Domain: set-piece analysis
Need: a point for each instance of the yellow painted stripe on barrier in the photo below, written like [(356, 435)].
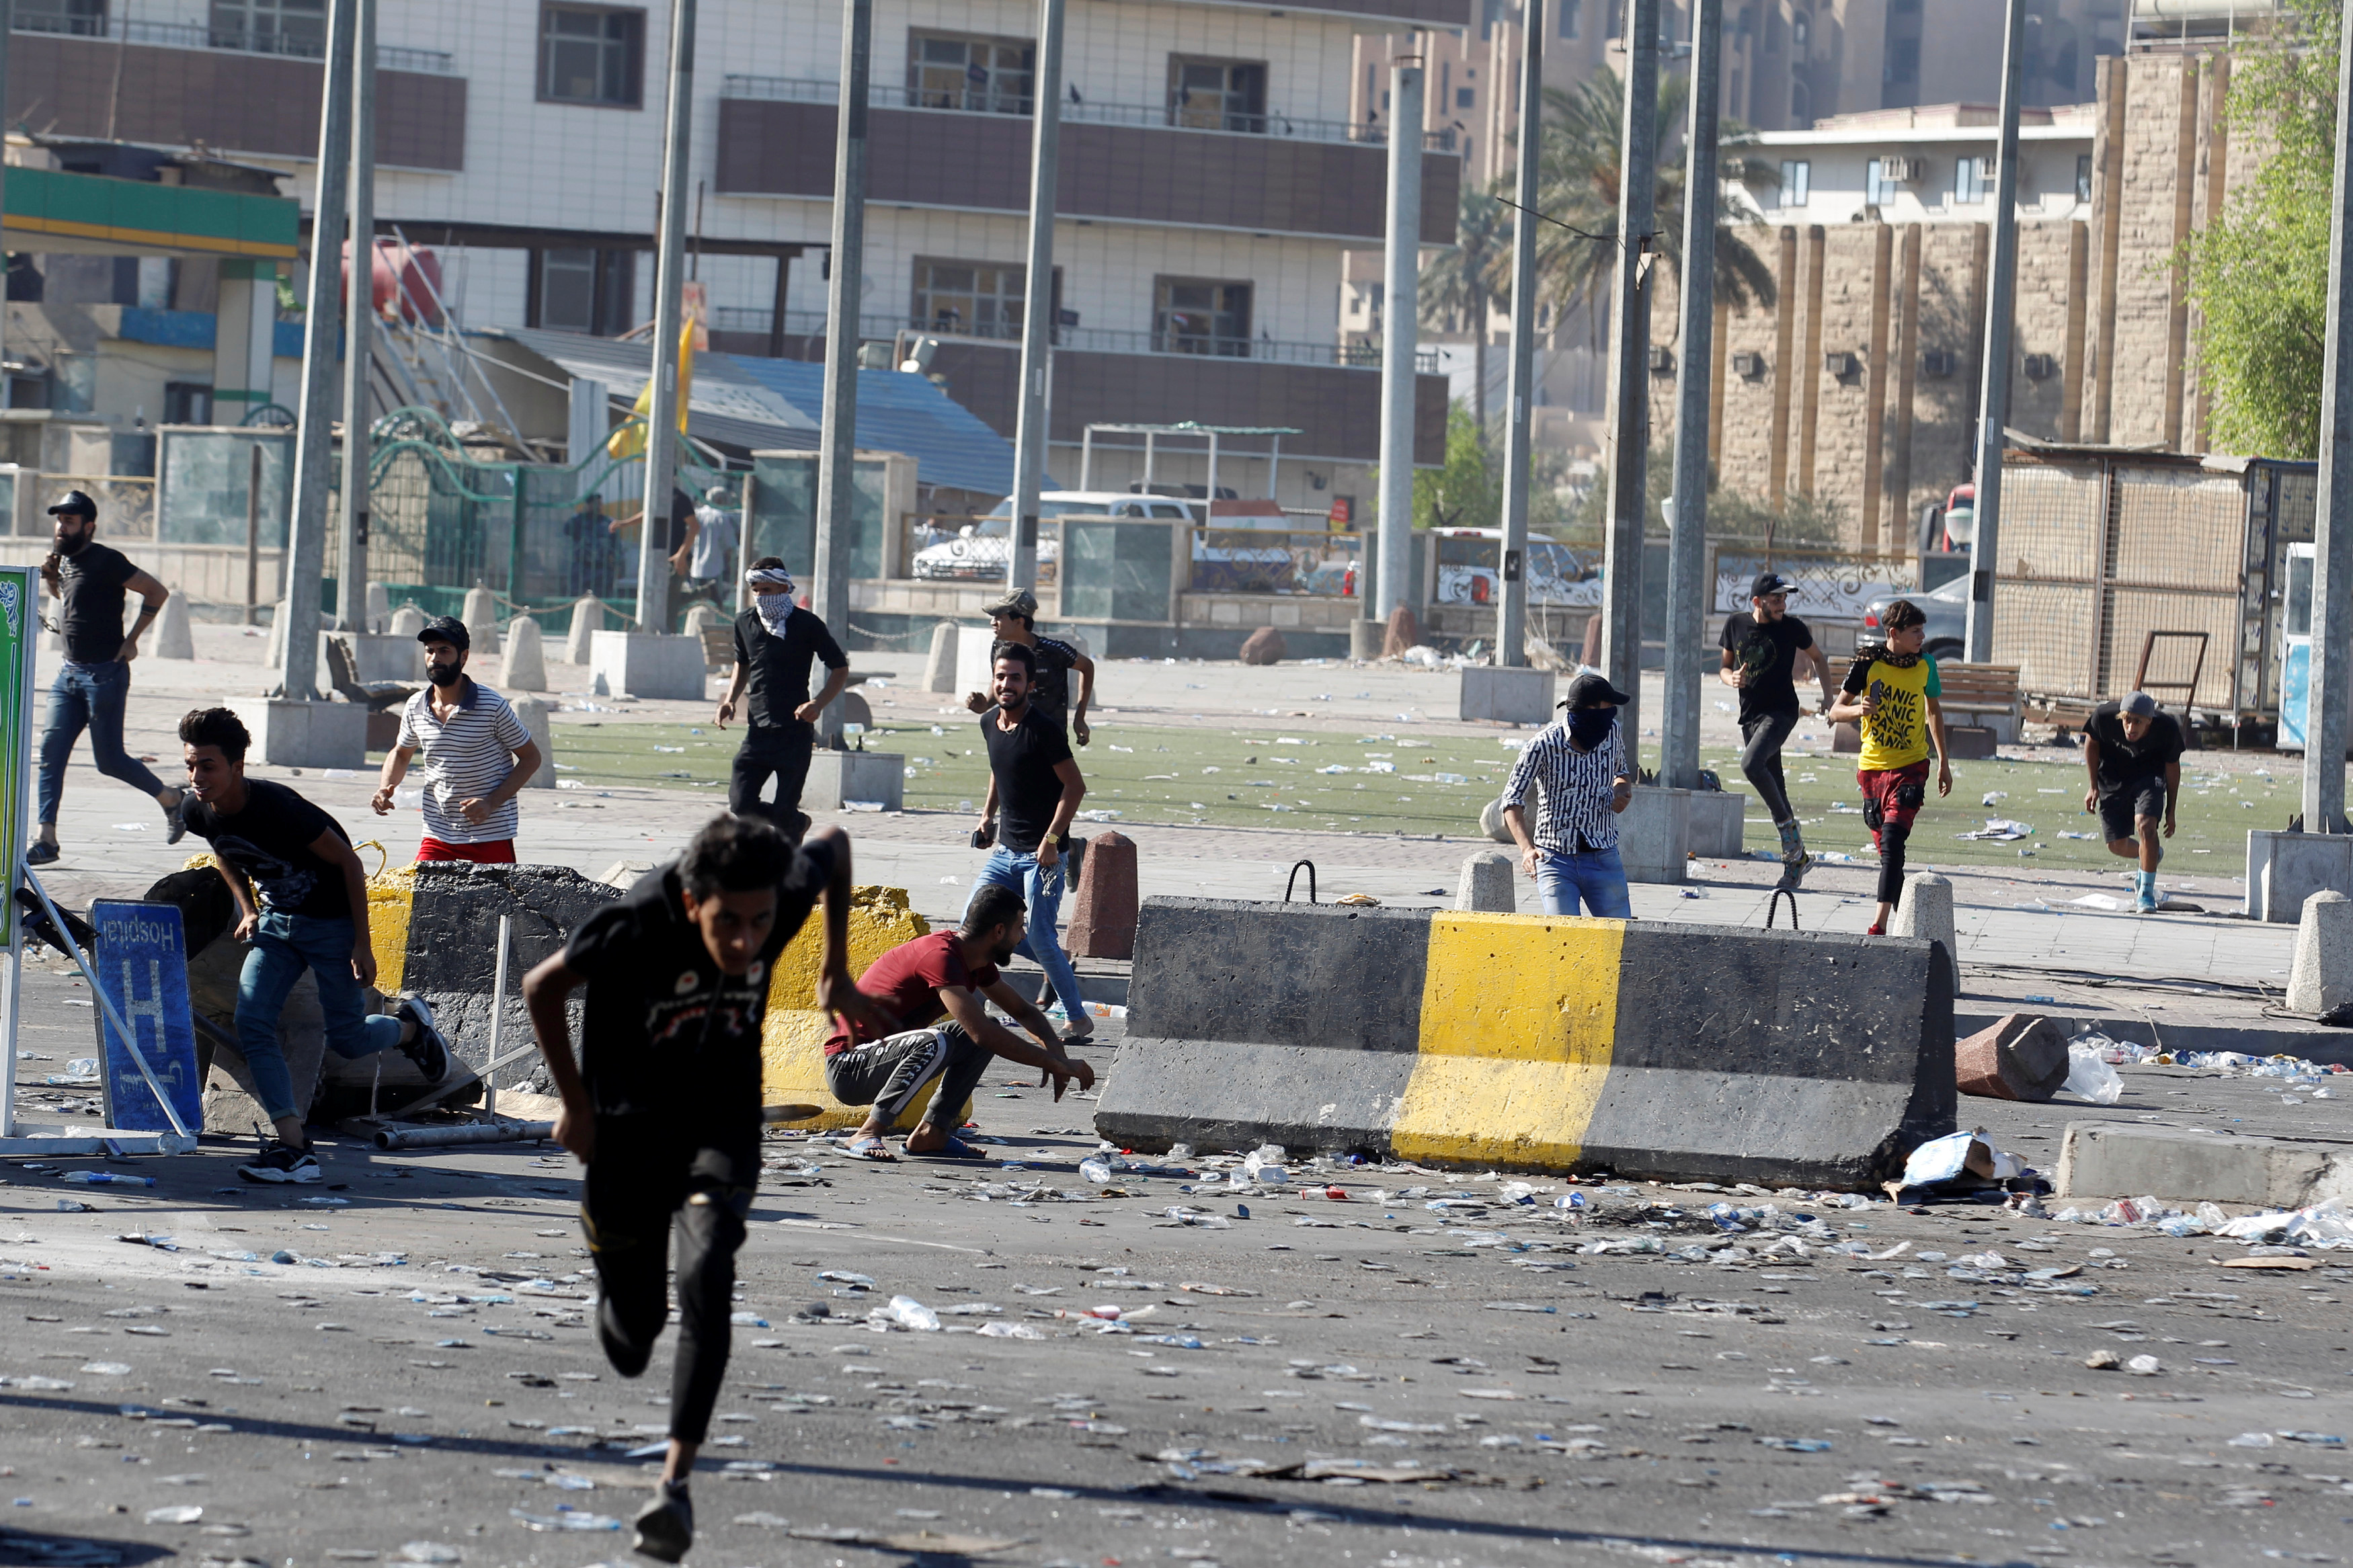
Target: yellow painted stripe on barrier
[(389, 896), (1518, 1013)]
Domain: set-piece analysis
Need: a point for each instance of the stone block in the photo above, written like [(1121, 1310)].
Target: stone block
[(407, 621), (1491, 823), (524, 668), (940, 670), (1102, 913), (1485, 884), (1926, 911), (837, 778), (1655, 835), (172, 638), (645, 664), (587, 620), (1365, 639), (1263, 647), (308, 735), (533, 715), (2283, 869), (1225, 613), (2023, 1057), (1282, 613), (1403, 633), (2320, 979), (1507, 693), (2100, 1159), (1719, 823)]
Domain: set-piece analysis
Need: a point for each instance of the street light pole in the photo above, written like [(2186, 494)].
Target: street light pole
[(1630, 355), (1993, 396), (838, 437), (1512, 608), (359, 331), (1400, 329), (670, 307), (1687, 531), (2332, 555), (305, 558), (1038, 325)]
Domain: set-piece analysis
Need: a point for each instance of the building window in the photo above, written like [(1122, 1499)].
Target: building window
[(2083, 177), (1572, 18), (582, 291), (187, 402), (1466, 97), (970, 298), (982, 76), (1216, 95), (1801, 31), (1876, 188), (1796, 181), (81, 19), (592, 54), (1200, 316), (1969, 179), (268, 26)]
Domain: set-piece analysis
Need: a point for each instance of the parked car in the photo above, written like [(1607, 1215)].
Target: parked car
[(1947, 609), (978, 551), (1469, 574)]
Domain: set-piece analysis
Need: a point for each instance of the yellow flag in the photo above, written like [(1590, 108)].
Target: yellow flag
[(630, 440)]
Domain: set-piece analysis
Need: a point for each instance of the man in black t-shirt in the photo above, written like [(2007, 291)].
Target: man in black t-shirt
[(1014, 619), (89, 581), (774, 641), (2133, 755), (1760, 659), (664, 1106), (301, 902), (1034, 789)]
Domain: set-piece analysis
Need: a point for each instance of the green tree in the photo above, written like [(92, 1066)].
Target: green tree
[(1460, 286), (1468, 492), (2259, 274)]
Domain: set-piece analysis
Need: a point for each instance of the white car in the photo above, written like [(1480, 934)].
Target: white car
[(978, 551), (1556, 576)]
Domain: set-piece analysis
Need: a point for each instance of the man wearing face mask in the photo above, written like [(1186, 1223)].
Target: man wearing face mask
[(1587, 778), (88, 580), (775, 640), (476, 756)]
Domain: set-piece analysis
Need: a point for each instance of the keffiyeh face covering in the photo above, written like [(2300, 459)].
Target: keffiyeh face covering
[(771, 596)]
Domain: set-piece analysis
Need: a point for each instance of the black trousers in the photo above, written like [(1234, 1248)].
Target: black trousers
[(648, 1183), (783, 754)]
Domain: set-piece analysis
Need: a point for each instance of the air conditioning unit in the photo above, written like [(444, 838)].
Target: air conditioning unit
[(1840, 363), (2042, 367), (1939, 364), (1748, 366), (1902, 171), (1663, 362)]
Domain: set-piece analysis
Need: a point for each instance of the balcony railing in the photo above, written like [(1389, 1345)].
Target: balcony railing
[(190, 35), (1359, 356), (1170, 116)]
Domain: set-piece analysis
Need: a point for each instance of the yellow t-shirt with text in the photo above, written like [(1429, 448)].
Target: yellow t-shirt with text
[(1895, 734)]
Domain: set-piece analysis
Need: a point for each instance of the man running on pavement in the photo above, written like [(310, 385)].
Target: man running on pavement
[(1891, 690), (774, 641), (1034, 790), (2133, 753), (1014, 619), (1762, 645), (88, 580), (946, 975), (664, 1105), (301, 902), (476, 756)]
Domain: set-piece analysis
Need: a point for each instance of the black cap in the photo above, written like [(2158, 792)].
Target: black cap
[(448, 629), (1768, 583), (76, 504), (1592, 687)]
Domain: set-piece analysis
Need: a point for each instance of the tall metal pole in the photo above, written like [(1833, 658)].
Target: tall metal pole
[(359, 327), (1038, 324), (1400, 333), (837, 440), (1993, 396), (306, 540), (7, 21), (2332, 564), (670, 306), (1629, 357), (1511, 611), (1687, 532)]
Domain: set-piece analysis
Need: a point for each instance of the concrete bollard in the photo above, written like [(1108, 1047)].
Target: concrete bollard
[(1102, 916), (1365, 640), (172, 638), (407, 621), (1486, 884), (698, 616), (525, 668), (279, 617), (379, 606), (481, 618), (2320, 977), (1927, 912), (1491, 823), (940, 670), (533, 713), (587, 620)]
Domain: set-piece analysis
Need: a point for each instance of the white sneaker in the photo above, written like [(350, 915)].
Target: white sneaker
[(279, 1163)]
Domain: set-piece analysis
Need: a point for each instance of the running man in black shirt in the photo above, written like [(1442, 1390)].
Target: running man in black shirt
[(89, 581), (664, 1105), (1760, 662), (301, 902), (1034, 789), (774, 641), (2133, 753), (1014, 619)]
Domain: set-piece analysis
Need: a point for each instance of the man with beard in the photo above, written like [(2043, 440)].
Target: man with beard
[(887, 1063), (1761, 649), (477, 756), (775, 640), (88, 580)]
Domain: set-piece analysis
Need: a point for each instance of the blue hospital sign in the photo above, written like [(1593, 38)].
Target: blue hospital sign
[(144, 970)]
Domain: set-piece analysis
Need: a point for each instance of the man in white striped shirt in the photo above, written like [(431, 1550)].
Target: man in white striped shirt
[(476, 755), (1582, 764)]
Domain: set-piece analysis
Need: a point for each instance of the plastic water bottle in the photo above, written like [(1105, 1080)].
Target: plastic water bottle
[(108, 1178), (1095, 1169), (910, 1313)]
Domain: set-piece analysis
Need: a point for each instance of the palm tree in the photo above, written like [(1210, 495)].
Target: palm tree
[(1577, 184), (1460, 286)]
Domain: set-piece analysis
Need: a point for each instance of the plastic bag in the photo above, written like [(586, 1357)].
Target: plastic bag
[(2089, 1076)]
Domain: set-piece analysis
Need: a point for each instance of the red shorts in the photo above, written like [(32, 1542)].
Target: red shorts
[(1893, 796), (491, 852)]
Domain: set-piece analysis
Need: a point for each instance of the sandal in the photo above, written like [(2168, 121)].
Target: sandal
[(869, 1147), (954, 1149)]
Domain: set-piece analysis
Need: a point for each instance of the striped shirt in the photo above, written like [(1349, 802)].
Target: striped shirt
[(1578, 786), (464, 758)]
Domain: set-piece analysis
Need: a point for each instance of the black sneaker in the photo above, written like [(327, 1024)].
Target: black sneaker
[(666, 1525), (281, 1164), (41, 854), (175, 826), (428, 1050)]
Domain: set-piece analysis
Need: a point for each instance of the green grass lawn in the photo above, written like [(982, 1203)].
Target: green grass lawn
[(1392, 782)]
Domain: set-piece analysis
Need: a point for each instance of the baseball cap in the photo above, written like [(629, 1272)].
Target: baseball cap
[(448, 629), (76, 504), (2139, 705), (1019, 602), (1592, 687), (1770, 582)]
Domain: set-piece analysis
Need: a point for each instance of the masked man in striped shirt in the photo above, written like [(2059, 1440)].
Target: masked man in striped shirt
[(475, 756), (1582, 763)]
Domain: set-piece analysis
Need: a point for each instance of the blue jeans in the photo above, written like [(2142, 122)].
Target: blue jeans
[(1598, 874), (1042, 891), (283, 946), (88, 696)]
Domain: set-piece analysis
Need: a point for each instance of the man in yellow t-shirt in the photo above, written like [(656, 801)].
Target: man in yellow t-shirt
[(1891, 690)]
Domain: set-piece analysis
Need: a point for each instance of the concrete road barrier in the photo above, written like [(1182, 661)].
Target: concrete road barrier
[(1534, 1043), (2184, 1164)]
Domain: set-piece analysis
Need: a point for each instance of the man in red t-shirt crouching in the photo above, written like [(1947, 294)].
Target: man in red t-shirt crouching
[(913, 986)]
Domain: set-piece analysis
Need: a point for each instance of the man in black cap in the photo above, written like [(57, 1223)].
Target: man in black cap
[(477, 756), (88, 580), (1762, 645), (2133, 753), (1581, 761), (1014, 619), (775, 640)]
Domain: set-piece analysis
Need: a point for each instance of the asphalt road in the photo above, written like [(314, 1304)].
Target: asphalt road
[(1367, 1381)]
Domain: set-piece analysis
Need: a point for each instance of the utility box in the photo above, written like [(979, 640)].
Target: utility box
[(1506, 695)]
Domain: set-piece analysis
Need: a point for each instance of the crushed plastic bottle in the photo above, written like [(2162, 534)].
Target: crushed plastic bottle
[(910, 1313), (1180, 1151), (108, 1178), (1095, 1169)]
